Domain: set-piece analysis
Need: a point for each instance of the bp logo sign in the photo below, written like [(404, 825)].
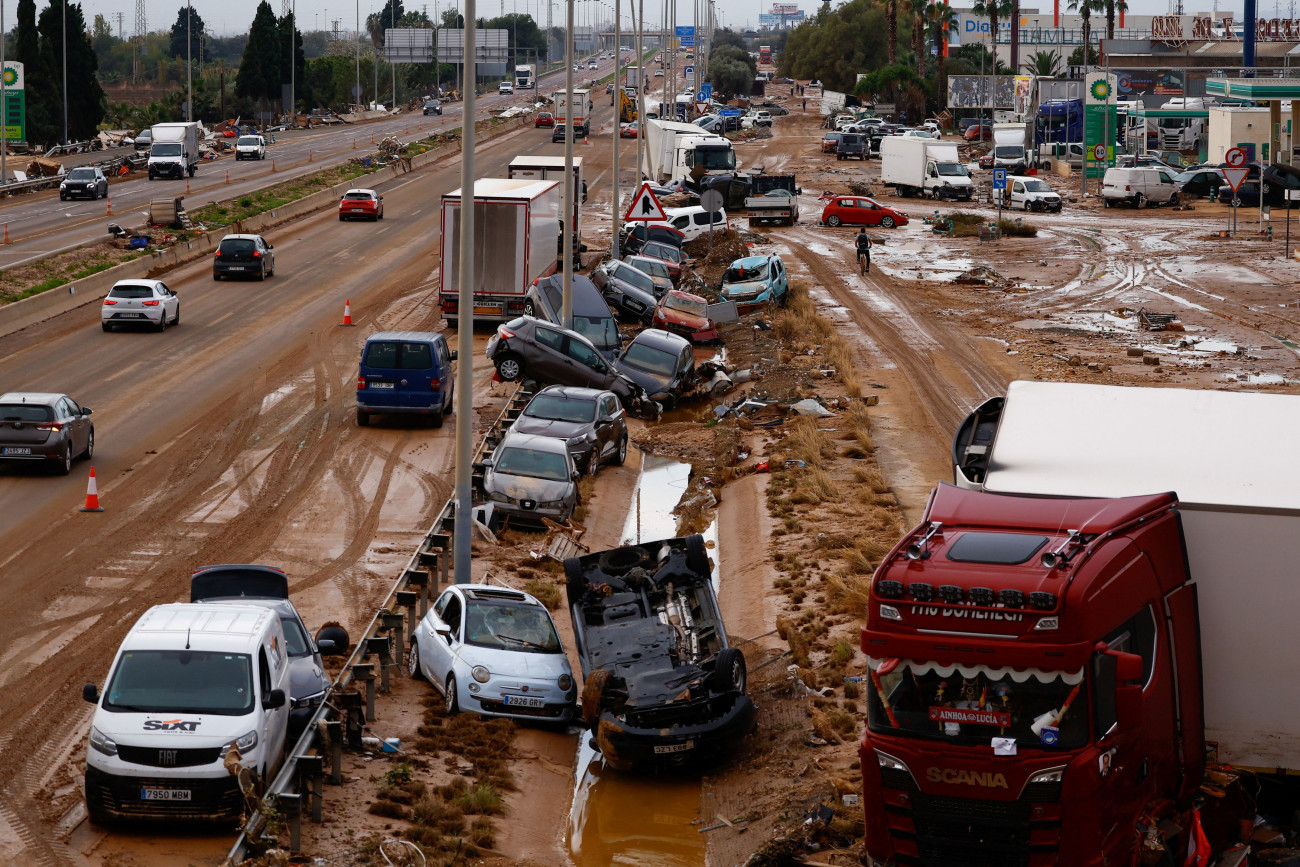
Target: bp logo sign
[(1100, 90), (11, 76)]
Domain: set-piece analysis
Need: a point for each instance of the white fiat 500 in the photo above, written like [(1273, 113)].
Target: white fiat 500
[(494, 651)]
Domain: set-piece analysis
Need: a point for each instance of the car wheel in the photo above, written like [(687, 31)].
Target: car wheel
[(593, 462), (451, 702), (1139, 201), (215, 276), (438, 416), (621, 455), (62, 198), (105, 326), (529, 309), (177, 320), (450, 406), (697, 556), (90, 446), (363, 418), (162, 320), (510, 367), (593, 697), (729, 672), (261, 274), (65, 460), (1174, 199), (887, 222), (413, 663), (833, 221)]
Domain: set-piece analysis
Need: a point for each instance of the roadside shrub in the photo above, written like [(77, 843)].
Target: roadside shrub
[(545, 592), (482, 833), (1017, 229), (481, 799)]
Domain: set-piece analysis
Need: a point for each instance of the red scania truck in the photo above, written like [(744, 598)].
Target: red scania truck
[(1107, 596)]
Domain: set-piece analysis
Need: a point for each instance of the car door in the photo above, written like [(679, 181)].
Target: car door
[(438, 650), (869, 213), (170, 302), (585, 366), (67, 415), (417, 370), (266, 253), (780, 280), (608, 413)]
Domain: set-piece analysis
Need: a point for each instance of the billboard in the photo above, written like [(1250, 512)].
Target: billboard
[(1132, 83), (408, 45), (981, 91), (782, 19), (15, 107), (491, 46)]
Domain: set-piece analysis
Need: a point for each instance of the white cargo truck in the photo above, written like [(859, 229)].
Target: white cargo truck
[(175, 150), (677, 151), (924, 167), (1013, 146), (539, 168), (580, 117), (525, 77)]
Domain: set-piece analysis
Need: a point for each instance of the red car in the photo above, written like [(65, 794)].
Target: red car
[(672, 256), (986, 161), (361, 205), (830, 142), (861, 211), (628, 130), (978, 131), (544, 118), (685, 314)]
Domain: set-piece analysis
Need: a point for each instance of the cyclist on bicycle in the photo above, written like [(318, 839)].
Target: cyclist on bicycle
[(864, 250)]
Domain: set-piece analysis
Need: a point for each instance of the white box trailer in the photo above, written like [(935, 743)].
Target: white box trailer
[(1228, 457), (924, 167), (539, 168), (580, 117), (516, 241)]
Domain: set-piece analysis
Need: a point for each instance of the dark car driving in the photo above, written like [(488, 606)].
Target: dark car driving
[(591, 422), (46, 428), (86, 181), (661, 363)]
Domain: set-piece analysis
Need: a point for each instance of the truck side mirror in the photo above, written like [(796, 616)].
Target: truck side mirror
[(1128, 687), (90, 693)]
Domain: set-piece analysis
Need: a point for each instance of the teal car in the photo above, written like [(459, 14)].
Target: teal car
[(754, 281)]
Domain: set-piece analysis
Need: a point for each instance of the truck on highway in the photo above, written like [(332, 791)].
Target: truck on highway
[(174, 151), (924, 167), (1091, 625), (525, 77), (1013, 145), (539, 168), (580, 117), (677, 151), (516, 241), (633, 77)]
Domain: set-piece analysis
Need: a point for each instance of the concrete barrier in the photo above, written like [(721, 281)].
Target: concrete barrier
[(61, 299)]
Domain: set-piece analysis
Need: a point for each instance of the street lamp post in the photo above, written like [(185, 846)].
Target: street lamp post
[(566, 306), (465, 314), (65, 71), (618, 94), (356, 93), (189, 61)]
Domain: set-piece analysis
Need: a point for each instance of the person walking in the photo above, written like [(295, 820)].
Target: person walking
[(805, 105), (863, 242)]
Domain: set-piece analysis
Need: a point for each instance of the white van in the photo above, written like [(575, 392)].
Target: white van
[(1030, 194), (1139, 187), (694, 221), (189, 682)]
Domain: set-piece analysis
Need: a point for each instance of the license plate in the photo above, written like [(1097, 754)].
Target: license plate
[(235, 268), (130, 315), (487, 309), (164, 794), (17, 451), (379, 385), (521, 701), (660, 749)]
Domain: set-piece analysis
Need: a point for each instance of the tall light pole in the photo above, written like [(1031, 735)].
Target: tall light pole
[(189, 59), (392, 67), (465, 314), (566, 306), (293, 64), (4, 105), (640, 85), (357, 92), (65, 71), (618, 94)]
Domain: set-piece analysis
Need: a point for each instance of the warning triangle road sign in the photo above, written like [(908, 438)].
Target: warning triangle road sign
[(645, 208), (1235, 177)]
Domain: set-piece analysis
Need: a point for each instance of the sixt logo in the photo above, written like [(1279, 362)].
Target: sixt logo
[(966, 778), (170, 725)]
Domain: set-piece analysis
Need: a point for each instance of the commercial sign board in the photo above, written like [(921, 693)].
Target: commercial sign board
[(15, 108), (1099, 123), (981, 91), (408, 45), (491, 46), (1160, 82)]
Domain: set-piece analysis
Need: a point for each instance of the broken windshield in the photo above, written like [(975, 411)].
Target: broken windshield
[(973, 704), (744, 275)]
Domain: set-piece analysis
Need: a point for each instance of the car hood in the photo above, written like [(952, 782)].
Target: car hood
[(687, 320), (648, 381), (505, 664), (550, 427), (526, 487), (306, 677)]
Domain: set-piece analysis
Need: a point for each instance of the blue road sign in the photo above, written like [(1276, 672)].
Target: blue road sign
[(706, 91), (685, 30), (686, 41), (730, 112), (999, 179)]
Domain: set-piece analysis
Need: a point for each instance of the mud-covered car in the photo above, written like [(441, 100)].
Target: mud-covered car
[(530, 477), (661, 363), (661, 685)]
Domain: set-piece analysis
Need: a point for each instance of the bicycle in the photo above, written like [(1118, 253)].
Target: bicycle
[(864, 262)]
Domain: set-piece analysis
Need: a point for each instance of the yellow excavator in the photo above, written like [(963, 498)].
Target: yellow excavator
[(627, 104)]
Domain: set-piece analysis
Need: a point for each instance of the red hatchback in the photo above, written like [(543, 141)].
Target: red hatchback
[(685, 314), (861, 211), (544, 118), (361, 205)]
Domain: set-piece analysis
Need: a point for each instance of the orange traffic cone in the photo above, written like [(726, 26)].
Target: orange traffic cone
[(187, 186), (347, 313), (110, 210), (6, 238), (227, 175), (92, 495)]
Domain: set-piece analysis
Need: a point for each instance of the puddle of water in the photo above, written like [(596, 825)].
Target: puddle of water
[(658, 490), (624, 820), (1257, 378)]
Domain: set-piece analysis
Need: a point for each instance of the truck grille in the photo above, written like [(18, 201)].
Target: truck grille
[(175, 758), (969, 832)]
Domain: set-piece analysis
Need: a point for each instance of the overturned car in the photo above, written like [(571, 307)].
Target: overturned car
[(662, 687)]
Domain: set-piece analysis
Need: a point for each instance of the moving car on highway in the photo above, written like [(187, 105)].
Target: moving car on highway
[(493, 651), (505, 87), (140, 302), (432, 107), (591, 422), (544, 119), (361, 204), (528, 478), (87, 181), (41, 427), (250, 147), (243, 256), (406, 373)]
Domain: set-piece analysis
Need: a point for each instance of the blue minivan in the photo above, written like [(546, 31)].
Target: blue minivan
[(405, 373)]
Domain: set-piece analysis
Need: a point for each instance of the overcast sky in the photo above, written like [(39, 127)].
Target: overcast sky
[(229, 17)]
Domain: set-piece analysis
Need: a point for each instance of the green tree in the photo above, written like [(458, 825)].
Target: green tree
[(194, 27), (836, 45), (1076, 56), (43, 96), (995, 11), (1113, 6), (919, 9), (898, 84), (1085, 8), (378, 22), (1045, 64), (941, 18), (86, 101), (891, 11), (259, 70), (729, 75)]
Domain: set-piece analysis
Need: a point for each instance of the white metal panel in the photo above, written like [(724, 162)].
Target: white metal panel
[(1213, 448)]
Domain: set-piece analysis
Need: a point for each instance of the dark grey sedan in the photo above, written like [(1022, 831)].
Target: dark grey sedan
[(589, 421), (660, 362), (36, 426), (529, 478), (629, 291)]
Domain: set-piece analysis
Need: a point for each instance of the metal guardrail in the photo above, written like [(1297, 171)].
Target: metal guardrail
[(303, 770)]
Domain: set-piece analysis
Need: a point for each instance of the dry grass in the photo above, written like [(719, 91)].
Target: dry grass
[(545, 592), (796, 639), (799, 327), (849, 592), (482, 833)]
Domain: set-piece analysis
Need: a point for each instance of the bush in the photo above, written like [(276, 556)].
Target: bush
[(1017, 228)]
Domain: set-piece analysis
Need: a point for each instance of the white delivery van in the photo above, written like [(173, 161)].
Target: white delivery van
[(189, 682), (1031, 194), (1139, 187), (693, 222)]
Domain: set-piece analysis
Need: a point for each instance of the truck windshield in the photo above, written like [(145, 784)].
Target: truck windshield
[(166, 150), (950, 169), (1008, 152), (715, 159), (971, 705), (181, 681)]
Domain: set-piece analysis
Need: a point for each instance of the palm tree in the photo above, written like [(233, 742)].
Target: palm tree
[(1111, 7), (1085, 8), (919, 11), (941, 17), (994, 10), (891, 14), (1044, 64)]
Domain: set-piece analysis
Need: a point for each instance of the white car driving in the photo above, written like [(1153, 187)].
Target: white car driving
[(494, 651), (140, 302), (250, 147), (505, 87)]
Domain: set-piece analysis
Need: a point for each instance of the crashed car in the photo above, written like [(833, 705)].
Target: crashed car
[(528, 348), (685, 314), (590, 422), (530, 477), (630, 291), (661, 685), (637, 236), (754, 281), (660, 363)]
